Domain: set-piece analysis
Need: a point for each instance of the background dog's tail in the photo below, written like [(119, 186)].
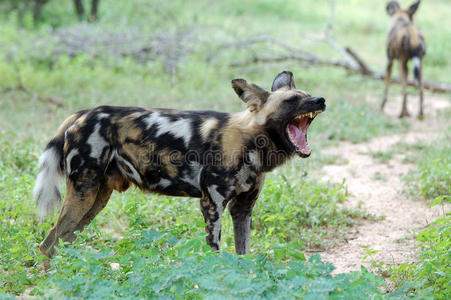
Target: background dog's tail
[(416, 63), (51, 164)]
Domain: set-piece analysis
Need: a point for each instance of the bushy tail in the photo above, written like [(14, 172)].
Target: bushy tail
[(46, 190), (416, 63)]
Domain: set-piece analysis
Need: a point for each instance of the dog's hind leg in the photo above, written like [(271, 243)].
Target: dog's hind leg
[(387, 82), (112, 181), (101, 201), (403, 75), (419, 77), (77, 203), (212, 205)]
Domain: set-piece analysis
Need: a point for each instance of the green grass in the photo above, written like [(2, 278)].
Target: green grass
[(381, 156)]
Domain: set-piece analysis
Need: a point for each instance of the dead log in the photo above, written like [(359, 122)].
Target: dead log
[(20, 88), (433, 86)]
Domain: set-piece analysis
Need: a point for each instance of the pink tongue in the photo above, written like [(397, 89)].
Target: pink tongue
[(298, 139)]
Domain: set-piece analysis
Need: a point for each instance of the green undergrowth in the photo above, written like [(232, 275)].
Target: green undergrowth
[(432, 273), (432, 177), (153, 264), (435, 246)]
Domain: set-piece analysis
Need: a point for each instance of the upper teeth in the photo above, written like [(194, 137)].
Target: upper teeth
[(309, 114)]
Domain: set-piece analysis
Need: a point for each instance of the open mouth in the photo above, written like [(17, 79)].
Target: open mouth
[(297, 132)]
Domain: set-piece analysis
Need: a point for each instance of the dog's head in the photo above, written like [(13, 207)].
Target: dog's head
[(394, 10), (285, 112)]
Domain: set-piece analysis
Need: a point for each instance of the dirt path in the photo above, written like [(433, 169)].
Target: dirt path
[(377, 188)]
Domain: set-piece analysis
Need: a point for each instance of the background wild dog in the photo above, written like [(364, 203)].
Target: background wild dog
[(404, 42), (218, 157)]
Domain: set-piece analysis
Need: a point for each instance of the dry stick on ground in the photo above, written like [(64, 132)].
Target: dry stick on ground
[(21, 88), (314, 60)]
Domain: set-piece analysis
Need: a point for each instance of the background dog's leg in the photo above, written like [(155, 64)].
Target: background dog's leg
[(420, 87), (403, 75), (75, 206), (387, 82)]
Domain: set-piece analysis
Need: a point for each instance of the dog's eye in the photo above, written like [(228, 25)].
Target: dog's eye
[(292, 100)]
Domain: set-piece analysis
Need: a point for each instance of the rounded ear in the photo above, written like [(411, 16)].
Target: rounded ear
[(392, 7), (251, 94), (413, 8), (283, 79)]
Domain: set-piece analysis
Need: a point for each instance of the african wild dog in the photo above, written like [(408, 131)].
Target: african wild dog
[(218, 157), (404, 42)]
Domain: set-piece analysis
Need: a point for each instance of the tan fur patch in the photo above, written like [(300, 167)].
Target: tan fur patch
[(138, 155), (207, 126), (68, 122), (127, 129), (166, 157)]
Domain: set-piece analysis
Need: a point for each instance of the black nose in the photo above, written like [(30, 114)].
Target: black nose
[(319, 100)]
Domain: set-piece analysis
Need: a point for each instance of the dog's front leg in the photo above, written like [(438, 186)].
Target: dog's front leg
[(241, 211), (212, 205)]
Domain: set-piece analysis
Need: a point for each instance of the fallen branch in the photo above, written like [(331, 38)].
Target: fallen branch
[(20, 87), (314, 60)]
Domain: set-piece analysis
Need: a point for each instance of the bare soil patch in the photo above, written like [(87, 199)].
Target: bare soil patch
[(377, 188)]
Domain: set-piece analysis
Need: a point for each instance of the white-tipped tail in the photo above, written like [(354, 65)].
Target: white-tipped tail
[(46, 190), (416, 63)]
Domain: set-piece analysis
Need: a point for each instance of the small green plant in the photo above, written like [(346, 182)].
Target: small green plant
[(432, 273), (432, 177), (435, 245)]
